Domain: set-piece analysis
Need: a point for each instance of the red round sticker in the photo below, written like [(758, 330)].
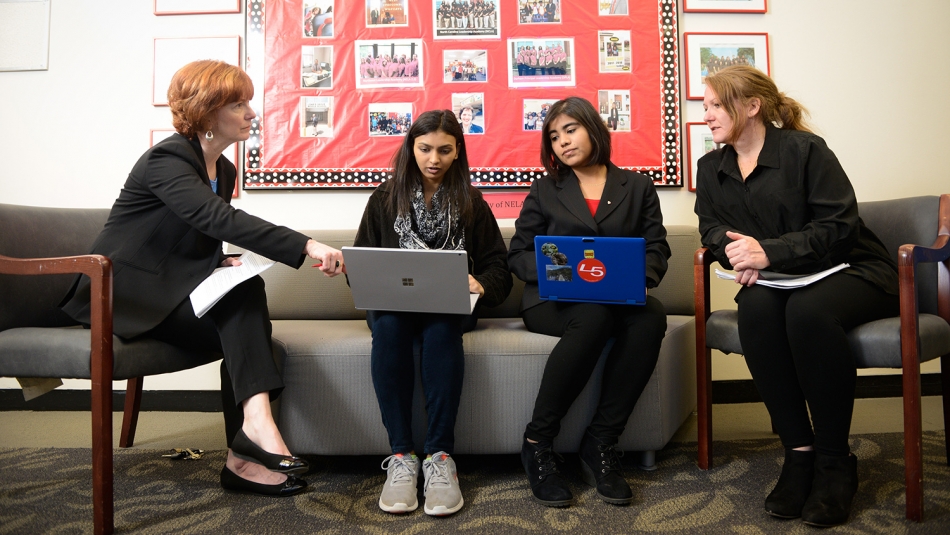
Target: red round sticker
[(591, 269)]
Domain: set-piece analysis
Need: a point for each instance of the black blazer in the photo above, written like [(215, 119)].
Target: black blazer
[(629, 207), (164, 236)]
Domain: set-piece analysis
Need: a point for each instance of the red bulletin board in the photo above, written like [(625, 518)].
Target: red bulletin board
[(338, 149)]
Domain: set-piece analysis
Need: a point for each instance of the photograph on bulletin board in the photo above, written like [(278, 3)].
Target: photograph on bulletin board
[(337, 84)]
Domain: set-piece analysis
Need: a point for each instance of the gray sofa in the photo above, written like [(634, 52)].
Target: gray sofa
[(323, 346), (329, 406)]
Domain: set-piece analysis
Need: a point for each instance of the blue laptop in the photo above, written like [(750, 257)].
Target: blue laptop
[(591, 269)]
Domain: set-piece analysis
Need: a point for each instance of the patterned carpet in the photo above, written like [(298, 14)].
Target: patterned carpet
[(49, 490)]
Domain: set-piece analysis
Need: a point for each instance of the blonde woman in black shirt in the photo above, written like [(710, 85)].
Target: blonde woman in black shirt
[(775, 198)]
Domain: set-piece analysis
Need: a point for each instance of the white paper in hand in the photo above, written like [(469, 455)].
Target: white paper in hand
[(212, 289)]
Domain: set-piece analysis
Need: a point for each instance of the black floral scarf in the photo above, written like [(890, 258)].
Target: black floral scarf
[(430, 228)]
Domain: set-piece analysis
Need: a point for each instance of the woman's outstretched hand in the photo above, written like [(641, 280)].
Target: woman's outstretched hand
[(331, 260)]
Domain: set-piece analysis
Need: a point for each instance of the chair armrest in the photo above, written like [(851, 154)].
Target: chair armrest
[(908, 257), (702, 259), (99, 270)]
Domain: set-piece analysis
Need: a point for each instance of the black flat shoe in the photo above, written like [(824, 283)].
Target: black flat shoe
[(234, 482), (243, 448)]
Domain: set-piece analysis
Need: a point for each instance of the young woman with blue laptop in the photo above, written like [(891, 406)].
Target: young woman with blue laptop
[(585, 194), (429, 203)]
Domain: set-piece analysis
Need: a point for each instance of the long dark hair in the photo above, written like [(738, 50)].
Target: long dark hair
[(584, 113), (456, 184)]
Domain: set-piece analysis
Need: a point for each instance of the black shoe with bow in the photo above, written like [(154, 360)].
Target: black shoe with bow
[(540, 462), (600, 467), (244, 449)]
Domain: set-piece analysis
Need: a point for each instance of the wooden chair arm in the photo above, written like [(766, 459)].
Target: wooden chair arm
[(909, 256), (99, 270), (702, 259), (90, 265)]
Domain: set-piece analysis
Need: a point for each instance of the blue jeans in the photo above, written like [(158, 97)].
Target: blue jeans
[(442, 366)]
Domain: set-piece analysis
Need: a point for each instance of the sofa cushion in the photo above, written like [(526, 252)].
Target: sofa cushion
[(329, 405)]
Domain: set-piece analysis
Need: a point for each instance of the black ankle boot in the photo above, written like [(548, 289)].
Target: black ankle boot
[(547, 485), (834, 486), (600, 466), (794, 485)]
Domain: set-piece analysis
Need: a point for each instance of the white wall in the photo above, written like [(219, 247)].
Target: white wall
[(872, 74)]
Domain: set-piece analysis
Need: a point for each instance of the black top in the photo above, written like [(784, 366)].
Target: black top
[(629, 207), (164, 236), (483, 241), (797, 202)]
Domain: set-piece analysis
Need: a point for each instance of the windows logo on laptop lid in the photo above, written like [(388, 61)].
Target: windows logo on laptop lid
[(591, 269)]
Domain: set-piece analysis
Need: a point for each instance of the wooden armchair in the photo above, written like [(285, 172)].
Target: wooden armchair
[(39, 257), (920, 334)]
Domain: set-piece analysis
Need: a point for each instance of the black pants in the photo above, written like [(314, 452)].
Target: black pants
[(796, 346), (239, 327), (584, 329)]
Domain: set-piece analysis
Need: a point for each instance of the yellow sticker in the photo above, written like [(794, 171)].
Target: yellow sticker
[(588, 253)]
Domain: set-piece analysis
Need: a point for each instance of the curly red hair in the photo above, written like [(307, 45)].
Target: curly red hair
[(200, 89)]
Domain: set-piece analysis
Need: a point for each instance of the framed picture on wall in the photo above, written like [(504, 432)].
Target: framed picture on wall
[(699, 141), (231, 153), (195, 7), (724, 6), (172, 54), (707, 53)]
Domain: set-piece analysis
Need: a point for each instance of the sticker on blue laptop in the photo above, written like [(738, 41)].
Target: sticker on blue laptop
[(590, 269), (557, 270)]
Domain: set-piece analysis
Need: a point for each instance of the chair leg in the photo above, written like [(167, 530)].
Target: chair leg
[(704, 407), (945, 394), (102, 476), (913, 448), (130, 419)]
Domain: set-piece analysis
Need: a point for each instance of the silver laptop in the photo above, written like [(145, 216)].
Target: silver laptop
[(409, 280)]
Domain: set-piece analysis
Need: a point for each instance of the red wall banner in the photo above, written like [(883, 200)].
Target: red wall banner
[(337, 88)]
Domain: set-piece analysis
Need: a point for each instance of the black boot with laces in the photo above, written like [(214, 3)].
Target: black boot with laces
[(547, 485), (600, 466)]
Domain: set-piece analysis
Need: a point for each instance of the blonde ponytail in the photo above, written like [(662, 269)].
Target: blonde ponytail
[(737, 85), (791, 114)]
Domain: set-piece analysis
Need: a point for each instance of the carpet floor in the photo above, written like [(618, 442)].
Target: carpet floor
[(48, 490)]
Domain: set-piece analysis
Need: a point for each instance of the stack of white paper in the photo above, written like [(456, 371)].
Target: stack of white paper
[(212, 289), (781, 280)]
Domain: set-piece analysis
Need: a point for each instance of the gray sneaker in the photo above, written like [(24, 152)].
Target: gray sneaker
[(443, 496), (401, 487)]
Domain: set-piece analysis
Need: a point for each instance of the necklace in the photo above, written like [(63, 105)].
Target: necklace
[(592, 182)]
